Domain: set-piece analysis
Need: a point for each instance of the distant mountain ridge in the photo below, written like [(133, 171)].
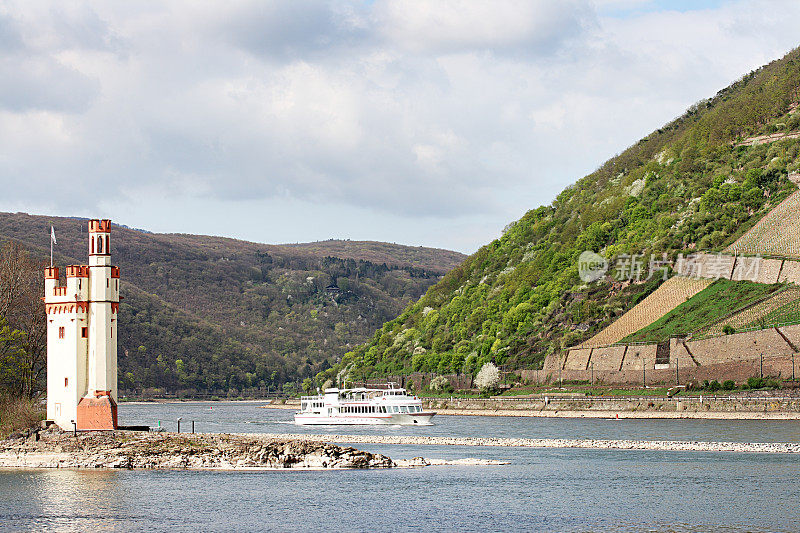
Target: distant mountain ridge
[(204, 314)]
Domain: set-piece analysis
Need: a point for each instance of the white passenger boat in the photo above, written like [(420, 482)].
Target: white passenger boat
[(362, 406)]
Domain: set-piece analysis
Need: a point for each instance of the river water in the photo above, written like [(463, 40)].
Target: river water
[(541, 490)]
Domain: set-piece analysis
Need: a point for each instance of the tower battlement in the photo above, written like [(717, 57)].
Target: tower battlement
[(78, 271), (81, 337), (96, 225)]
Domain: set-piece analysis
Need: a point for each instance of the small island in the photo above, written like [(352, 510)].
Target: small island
[(54, 448)]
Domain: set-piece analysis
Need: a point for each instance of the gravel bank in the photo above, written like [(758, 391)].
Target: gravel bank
[(53, 448), (663, 445)]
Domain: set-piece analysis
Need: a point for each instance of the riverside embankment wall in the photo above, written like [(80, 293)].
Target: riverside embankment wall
[(722, 404)]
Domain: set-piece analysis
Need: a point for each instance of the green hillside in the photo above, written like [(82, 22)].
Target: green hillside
[(207, 314), (688, 186), (703, 309)]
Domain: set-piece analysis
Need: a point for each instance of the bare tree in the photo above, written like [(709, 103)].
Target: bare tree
[(21, 282)]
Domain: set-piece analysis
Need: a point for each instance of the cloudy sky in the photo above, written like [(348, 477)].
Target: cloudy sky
[(419, 122)]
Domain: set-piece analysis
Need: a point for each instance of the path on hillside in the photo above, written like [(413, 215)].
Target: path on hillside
[(765, 139)]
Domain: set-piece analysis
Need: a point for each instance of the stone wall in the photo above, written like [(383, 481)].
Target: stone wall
[(736, 347), (722, 357), (640, 356), (757, 269), (739, 371), (790, 272), (741, 268), (608, 357), (578, 359), (792, 334)]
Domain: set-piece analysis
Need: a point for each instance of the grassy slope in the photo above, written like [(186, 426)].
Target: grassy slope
[(684, 187), (233, 312), (787, 314), (703, 309)]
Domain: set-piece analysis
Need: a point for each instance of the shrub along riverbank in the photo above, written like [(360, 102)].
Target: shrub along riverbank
[(18, 413)]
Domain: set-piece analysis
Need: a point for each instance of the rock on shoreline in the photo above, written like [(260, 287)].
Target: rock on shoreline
[(53, 448)]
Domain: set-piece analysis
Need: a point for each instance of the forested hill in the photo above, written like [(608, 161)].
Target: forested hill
[(212, 314), (696, 183)]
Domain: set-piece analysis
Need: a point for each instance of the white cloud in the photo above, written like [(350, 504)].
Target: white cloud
[(318, 118)]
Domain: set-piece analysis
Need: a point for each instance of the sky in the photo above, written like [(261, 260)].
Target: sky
[(416, 122)]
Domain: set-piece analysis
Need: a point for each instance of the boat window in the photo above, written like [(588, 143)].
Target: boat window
[(403, 409)]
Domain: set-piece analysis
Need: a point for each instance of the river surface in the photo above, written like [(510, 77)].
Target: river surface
[(541, 490)]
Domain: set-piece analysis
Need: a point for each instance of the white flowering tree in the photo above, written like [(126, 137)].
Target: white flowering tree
[(488, 377)]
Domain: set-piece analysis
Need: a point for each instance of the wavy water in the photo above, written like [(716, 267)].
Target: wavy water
[(541, 490)]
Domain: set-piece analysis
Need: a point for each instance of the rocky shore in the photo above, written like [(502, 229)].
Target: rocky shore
[(53, 448), (662, 445)]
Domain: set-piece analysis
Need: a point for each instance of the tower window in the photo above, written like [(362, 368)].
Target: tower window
[(107, 282), (99, 244), (92, 243), (61, 332), (108, 248), (66, 382), (112, 333), (84, 333)]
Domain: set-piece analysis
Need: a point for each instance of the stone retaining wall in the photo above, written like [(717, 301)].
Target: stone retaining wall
[(790, 272), (738, 268), (739, 371), (607, 357)]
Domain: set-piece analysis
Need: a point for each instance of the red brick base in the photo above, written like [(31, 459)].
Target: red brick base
[(98, 413)]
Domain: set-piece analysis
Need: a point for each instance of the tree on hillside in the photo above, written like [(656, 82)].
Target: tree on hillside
[(488, 377), (21, 281), (13, 364)]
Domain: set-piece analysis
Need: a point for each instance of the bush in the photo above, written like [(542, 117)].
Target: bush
[(727, 329), (18, 414), (728, 384), (440, 384), (713, 386), (755, 383)]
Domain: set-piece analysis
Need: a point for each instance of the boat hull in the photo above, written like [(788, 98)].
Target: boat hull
[(403, 419)]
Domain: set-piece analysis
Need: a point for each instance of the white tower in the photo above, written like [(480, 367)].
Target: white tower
[(82, 336)]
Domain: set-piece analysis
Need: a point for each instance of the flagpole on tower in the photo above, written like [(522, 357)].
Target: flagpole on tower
[(52, 242)]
